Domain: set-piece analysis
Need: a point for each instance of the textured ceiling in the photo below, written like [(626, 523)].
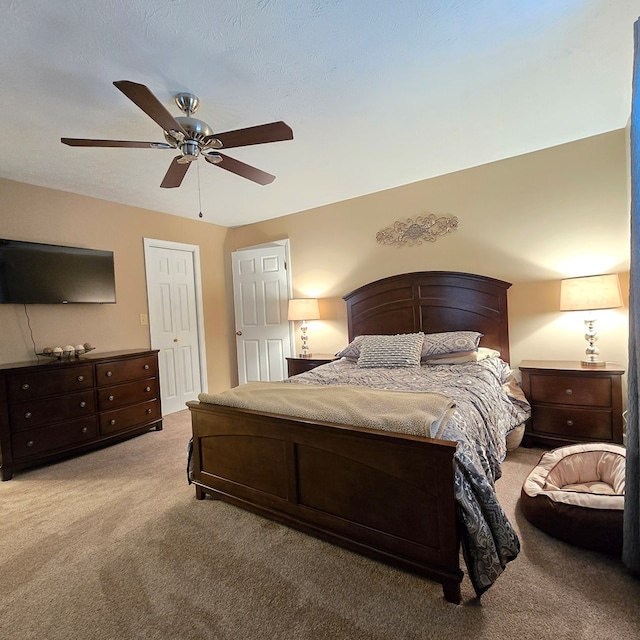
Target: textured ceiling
[(378, 93)]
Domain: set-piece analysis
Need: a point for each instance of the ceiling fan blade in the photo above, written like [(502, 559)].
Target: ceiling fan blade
[(175, 174), (82, 142), (143, 98), (241, 169), (260, 134)]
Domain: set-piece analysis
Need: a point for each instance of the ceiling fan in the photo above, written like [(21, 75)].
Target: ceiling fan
[(192, 137)]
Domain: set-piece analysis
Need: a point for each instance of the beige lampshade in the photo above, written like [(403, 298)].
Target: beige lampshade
[(303, 309), (590, 292)]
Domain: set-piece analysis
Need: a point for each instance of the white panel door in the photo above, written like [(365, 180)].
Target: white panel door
[(261, 294), (173, 323)]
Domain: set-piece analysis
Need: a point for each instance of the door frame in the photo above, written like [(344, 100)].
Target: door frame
[(194, 249)]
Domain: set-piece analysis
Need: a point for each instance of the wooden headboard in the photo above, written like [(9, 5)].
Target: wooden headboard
[(433, 302)]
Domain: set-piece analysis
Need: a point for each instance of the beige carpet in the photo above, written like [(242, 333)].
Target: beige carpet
[(114, 545)]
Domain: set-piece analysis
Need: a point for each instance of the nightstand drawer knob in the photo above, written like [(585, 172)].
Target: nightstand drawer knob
[(27, 415), (80, 378), (110, 398), (148, 410), (83, 404), (568, 391), (146, 366), (112, 422), (25, 386), (84, 429), (569, 423), (30, 443), (109, 374), (147, 389)]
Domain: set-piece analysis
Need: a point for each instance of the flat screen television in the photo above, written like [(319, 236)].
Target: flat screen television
[(35, 273)]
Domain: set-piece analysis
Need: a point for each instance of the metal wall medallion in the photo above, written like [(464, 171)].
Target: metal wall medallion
[(423, 229)]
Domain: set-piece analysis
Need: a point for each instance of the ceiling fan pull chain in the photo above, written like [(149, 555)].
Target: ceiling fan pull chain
[(199, 194)]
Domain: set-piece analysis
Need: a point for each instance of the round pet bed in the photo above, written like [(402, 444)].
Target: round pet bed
[(576, 494)]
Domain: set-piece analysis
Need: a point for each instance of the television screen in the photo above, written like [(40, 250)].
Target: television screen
[(34, 273)]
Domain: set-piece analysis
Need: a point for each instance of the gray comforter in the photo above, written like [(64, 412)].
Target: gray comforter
[(484, 414)]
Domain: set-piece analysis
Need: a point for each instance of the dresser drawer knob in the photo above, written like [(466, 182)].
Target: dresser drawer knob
[(25, 386), (146, 366), (569, 423), (30, 443), (109, 374), (110, 398), (27, 415), (147, 389), (83, 404), (84, 429), (80, 378), (149, 410), (112, 422), (568, 391)]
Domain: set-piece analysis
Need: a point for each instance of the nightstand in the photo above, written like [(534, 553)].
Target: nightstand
[(572, 403), (296, 365)]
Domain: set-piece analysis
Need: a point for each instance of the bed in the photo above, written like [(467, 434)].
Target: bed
[(405, 499)]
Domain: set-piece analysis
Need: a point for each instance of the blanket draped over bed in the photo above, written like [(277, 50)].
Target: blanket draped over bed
[(469, 404), (420, 414)]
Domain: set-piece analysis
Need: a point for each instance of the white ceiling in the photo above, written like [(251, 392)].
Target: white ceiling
[(379, 93)]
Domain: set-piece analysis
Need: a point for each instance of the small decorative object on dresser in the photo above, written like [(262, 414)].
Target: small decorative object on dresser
[(53, 409), (300, 365), (572, 404)]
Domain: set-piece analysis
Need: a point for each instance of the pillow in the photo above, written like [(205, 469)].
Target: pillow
[(352, 350), (462, 356), (435, 344), (402, 350)]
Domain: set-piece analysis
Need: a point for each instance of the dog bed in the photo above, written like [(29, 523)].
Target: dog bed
[(576, 494)]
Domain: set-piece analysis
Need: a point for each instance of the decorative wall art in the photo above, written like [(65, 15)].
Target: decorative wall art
[(425, 228)]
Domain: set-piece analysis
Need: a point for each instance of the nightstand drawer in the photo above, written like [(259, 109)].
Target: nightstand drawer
[(572, 403), (587, 424), (589, 392)]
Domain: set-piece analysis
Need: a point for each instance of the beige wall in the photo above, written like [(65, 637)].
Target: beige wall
[(50, 216), (530, 220)]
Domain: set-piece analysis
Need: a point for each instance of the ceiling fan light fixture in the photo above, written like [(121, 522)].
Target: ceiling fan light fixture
[(190, 148), (213, 143), (212, 157)]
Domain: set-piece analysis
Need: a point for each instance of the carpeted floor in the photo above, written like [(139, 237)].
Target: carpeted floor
[(114, 545)]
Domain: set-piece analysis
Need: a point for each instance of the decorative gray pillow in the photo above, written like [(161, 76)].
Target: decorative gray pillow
[(435, 344), (402, 350), (352, 350)]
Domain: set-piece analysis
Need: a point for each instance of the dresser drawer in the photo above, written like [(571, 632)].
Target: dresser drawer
[(587, 424), (23, 386), (126, 370), (24, 415), (126, 394), (129, 417), (574, 390), (44, 439)]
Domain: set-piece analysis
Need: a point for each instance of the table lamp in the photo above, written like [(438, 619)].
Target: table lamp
[(591, 293), (304, 309)]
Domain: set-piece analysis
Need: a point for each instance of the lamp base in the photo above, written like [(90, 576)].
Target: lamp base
[(304, 355), (593, 363)]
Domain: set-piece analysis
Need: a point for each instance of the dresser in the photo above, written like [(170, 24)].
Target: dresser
[(53, 409), (572, 403)]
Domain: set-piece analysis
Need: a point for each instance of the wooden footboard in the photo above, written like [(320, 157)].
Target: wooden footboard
[(387, 496)]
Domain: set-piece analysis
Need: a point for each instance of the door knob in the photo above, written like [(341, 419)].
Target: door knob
[(238, 333)]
